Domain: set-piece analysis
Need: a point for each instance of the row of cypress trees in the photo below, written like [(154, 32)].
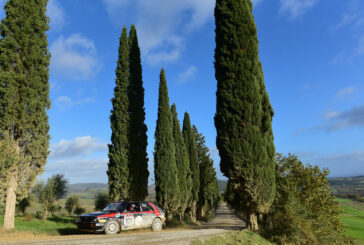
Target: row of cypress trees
[(178, 155), (244, 114), (184, 174), (128, 163)]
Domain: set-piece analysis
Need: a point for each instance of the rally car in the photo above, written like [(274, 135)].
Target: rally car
[(123, 216)]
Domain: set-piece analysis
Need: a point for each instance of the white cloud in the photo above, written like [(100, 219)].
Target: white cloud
[(64, 102), (74, 56), (79, 146), (331, 114), (296, 8), (186, 75), (345, 91), (56, 15), (79, 170), (162, 24), (340, 165)]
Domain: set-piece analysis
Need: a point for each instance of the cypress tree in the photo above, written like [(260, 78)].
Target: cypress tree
[(183, 165), (165, 168), (208, 193), (243, 117), (138, 161), (192, 155), (118, 167), (24, 93)]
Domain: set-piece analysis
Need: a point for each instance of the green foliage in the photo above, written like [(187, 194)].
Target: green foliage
[(190, 143), (24, 88), (24, 204), (128, 163), (183, 164), (54, 208), (209, 195), (118, 167), (79, 211), (165, 168), (71, 203), (102, 200), (243, 113), (138, 161), (48, 193), (304, 211)]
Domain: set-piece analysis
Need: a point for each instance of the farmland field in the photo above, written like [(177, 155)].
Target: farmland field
[(353, 218)]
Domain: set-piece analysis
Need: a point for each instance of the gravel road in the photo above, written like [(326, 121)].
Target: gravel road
[(224, 221)]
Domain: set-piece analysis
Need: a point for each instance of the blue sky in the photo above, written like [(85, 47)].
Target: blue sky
[(312, 53)]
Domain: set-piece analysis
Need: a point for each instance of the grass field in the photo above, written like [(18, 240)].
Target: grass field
[(353, 218), (52, 226)]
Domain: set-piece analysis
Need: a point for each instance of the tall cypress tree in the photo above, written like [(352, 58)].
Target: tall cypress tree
[(165, 168), (24, 93), (243, 117), (192, 154), (209, 193), (183, 165), (118, 167), (138, 161)]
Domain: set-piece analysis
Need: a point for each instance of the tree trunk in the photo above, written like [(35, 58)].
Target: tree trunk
[(45, 212), (181, 217), (252, 221), (193, 211), (10, 204)]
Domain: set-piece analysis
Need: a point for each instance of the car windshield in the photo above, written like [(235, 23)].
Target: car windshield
[(116, 207)]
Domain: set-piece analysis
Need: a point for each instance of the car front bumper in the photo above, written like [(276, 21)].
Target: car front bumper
[(91, 226)]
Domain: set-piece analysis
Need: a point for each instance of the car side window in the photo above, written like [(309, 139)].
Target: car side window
[(146, 207)]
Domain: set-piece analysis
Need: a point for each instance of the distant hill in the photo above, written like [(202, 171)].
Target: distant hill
[(86, 190), (347, 185), (340, 187)]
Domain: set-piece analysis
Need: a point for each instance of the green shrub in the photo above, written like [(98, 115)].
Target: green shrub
[(101, 200), (79, 211), (304, 211)]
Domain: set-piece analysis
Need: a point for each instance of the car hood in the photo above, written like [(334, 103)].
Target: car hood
[(96, 214)]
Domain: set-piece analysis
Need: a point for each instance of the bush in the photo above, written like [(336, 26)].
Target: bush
[(38, 214), (54, 208), (71, 203), (304, 211), (79, 211), (101, 200)]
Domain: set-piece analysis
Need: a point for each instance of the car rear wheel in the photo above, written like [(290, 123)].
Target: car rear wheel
[(157, 224), (111, 227)]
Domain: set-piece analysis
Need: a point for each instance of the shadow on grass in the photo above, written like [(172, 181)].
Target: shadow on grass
[(65, 220), (72, 231)]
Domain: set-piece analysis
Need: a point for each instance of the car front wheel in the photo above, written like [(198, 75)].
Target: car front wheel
[(157, 224), (111, 227)]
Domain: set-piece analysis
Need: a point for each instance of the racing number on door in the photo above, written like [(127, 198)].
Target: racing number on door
[(129, 220)]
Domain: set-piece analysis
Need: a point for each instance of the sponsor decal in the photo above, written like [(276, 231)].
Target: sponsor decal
[(138, 220)]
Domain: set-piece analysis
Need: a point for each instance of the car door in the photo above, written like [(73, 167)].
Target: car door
[(147, 214), (138, 219)]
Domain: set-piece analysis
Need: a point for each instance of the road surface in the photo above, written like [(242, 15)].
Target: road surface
[(224, 221)]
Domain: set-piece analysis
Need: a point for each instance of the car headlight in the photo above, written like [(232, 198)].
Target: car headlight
[(101, 220)]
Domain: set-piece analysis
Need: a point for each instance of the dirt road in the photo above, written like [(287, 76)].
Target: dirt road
[(224, 221)]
